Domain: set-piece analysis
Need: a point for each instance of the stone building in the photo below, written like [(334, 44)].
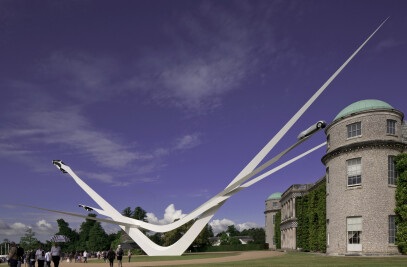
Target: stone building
[(288, 225), (272, 207), (362, 141)]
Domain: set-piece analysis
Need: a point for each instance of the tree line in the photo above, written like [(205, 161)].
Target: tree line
[(92, 237), (229, 237)]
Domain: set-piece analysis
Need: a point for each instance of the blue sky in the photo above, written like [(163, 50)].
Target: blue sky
[(160, 104)]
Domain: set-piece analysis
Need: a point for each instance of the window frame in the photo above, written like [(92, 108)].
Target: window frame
[(391, 129), (327, 174), (353, 177), (392, 230), (354, 231), (392, 174), (349, 130)]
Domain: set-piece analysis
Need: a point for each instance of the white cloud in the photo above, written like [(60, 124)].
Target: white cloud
[(387, 44), (247, 225), (220, 225), (188, 141), (102, 177), (170, 215), (42, 227), (200, 193), (161, 152), (70, 129)]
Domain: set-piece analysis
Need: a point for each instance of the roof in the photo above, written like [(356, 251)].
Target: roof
[(362, 105), (276, 195)]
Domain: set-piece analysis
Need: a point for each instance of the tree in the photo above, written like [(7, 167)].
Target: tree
[(127, 212), (201, 241), (140, 214), (173, 236), (401, 202), (84, 232), (117, 241), (64, 229), (232, 230), (234, 241), (224, 239), (114, 239), (258, 234), (28, 241), (98, 239), (277, 233), (156, 238)]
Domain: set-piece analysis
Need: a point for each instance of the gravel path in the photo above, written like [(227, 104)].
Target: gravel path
[(242, 256)]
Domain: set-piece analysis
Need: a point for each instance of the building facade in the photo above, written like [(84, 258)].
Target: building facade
[(272, 207), (362, 141), (288, 225)]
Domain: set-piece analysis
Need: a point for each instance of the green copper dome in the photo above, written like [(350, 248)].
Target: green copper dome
[(276, 195), (362, 105)]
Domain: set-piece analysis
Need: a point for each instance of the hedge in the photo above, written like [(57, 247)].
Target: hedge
[(311, 218), (237, 247), (277, 233), (401, 202)]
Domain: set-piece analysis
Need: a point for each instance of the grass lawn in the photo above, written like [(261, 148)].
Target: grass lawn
[(305, 259)]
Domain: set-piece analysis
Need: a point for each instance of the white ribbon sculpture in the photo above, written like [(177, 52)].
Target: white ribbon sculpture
[(206, 211)]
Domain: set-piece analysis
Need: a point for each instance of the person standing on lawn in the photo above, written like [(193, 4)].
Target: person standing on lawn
[(110, 256), (56, 254)]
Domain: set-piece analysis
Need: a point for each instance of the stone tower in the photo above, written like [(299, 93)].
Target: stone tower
[(360, 178), (272, 207)]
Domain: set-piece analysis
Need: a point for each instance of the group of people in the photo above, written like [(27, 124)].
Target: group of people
[(17, 256), (111, 255)]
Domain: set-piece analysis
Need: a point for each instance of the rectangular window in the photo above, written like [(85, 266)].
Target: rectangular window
[(328, 141), (392, 173), (274, 219), (354, 171), (354, 237), (327, 240), (354, 226), (392, 229), (354, 129), (391, 126), (275, 204), (327, 175)]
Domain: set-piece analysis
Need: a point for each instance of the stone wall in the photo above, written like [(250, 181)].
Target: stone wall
[(404, 132), (374, 199)]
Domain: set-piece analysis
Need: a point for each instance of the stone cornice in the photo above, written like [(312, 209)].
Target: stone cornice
[(289, 223), (292, 195), (398, 112), (362, 145), (272, 210)]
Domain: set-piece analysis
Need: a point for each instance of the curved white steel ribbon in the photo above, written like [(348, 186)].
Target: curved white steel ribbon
[(208, 209), (259, 157), (109, 211), (130, 225)]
